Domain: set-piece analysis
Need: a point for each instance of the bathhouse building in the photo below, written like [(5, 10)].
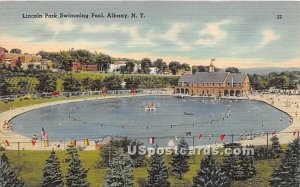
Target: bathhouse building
[(213, 84)]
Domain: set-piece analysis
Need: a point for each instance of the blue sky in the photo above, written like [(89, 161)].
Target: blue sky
[(242, 34)]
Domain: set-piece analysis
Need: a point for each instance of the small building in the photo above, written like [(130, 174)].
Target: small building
[(43, 65), (78, 66), (213, 84), (153, 70), (11, 59), (115, 66)]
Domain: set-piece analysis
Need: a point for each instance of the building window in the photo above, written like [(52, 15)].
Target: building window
[(203, 84), (207, 84), (213, 84), (220, 84), (240, 84), (228, 84)]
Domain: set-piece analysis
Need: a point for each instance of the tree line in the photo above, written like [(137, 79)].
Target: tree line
[(63, 60), (283, 80)]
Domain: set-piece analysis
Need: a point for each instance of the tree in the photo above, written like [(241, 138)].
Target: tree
[(122, 69), (145, 65), (64, 61), (70, 84), (287, 174), (129, 67), (15, 50), (22, 85), (97, 84), (113, 82), (108, 151), (185, 67), (210, 174), (8, 177), (199, 69), (38, 67), (132, 82), (86, 84), (30, 67), (160, 65), (154, 83), (158, 172), (179, 159), (52, 175), (120, 171), (103, 62), (275, 145), (4, 86), (174, 66), (232, 70), (238, 167), (46, 83), (258, 82), (83, 56), (76, 173), (248, 166)]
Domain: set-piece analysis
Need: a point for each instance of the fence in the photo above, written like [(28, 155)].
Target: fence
[(94, 143), (77, 93)]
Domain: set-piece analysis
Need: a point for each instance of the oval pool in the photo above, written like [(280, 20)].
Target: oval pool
[(174, 117)]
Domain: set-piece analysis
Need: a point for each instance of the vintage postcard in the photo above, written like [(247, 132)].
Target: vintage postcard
[(151, 93)]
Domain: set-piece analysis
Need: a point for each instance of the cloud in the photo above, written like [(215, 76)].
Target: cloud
[(212, 33), (173, 33), (133, 31), (268, 36), (30, 46), (58, 27)]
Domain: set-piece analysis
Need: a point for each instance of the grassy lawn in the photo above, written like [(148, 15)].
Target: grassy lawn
[(264, 170), (18, 103), (31, 163)]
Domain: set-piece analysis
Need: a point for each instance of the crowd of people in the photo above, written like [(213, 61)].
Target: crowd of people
[(7, 126)]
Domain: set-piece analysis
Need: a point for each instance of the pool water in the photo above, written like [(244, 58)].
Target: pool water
[(173, 118)]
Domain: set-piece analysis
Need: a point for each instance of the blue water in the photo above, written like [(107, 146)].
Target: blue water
[(127, 117)]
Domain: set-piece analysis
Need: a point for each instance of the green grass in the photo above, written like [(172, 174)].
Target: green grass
[(264, 170), (31, 163), (27, 102)]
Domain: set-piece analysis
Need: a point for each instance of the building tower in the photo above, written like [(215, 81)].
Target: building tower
[(211, 66)]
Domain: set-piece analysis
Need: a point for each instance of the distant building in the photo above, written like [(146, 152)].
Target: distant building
[(11, 59), (78, 66), (183, 72), (27, 58), (213, 84), (153, 70), (42, 64), (285, 91), (115, 66)]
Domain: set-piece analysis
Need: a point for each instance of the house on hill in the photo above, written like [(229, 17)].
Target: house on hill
[(78, 66)]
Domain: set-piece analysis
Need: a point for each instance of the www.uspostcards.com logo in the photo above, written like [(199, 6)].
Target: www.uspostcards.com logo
[(143, 150)]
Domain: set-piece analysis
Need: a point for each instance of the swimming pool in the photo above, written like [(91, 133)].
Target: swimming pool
[(173, 118)]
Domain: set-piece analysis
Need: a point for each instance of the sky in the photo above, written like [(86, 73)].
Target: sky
[(241, 34)]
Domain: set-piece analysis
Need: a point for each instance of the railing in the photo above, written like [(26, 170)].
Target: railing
[(85, 93)]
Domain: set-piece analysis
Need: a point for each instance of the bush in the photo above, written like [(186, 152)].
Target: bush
[(2, 148)]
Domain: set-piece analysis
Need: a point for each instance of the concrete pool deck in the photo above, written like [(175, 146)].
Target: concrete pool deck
[(285, 103)]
